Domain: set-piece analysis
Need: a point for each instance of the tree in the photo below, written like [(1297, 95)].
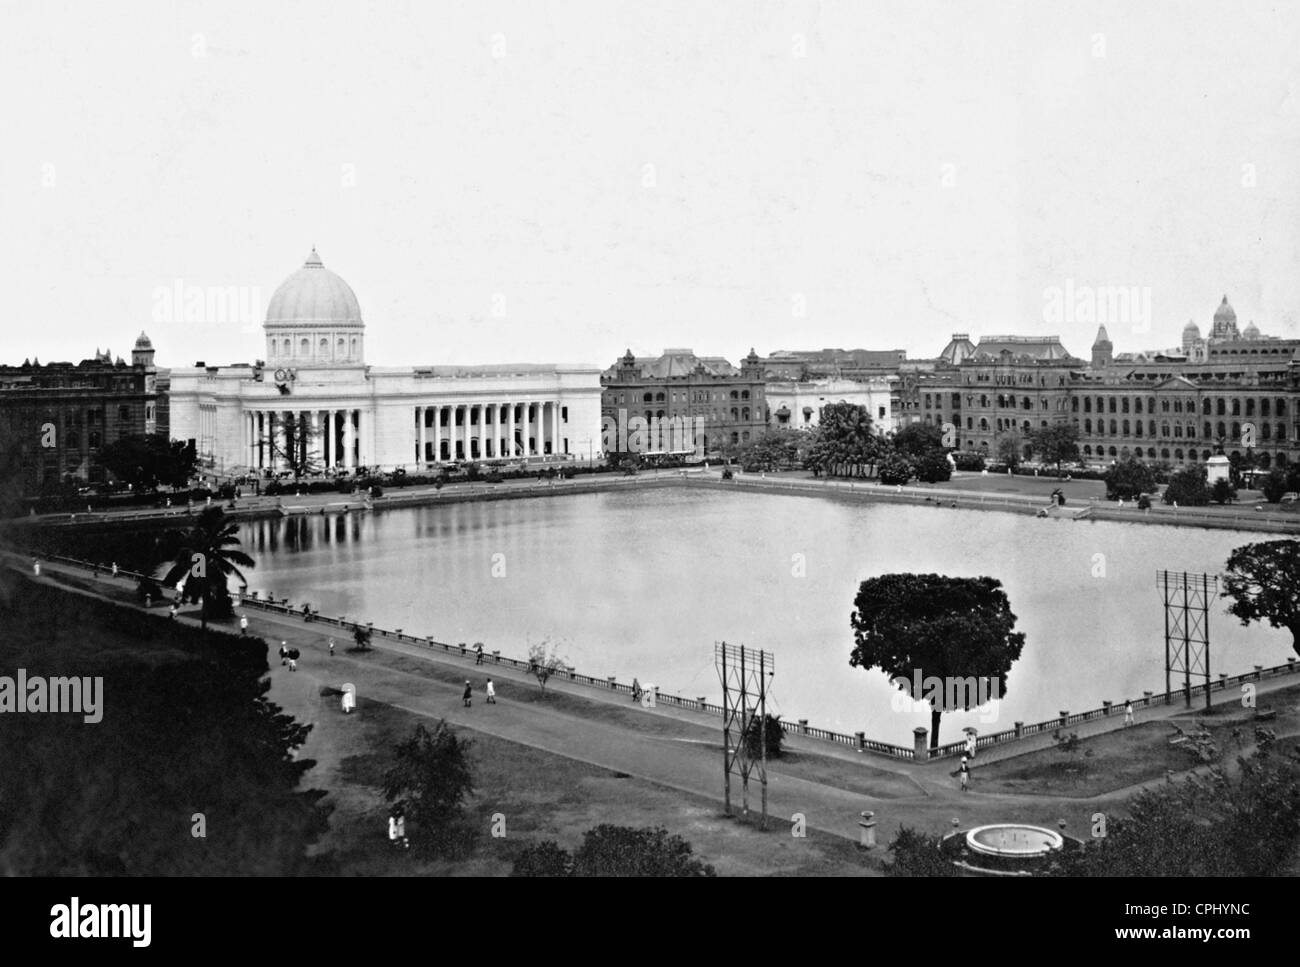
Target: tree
[(844, 442), (1263, 581), (609, 850), (544, 662), (1274, 485), (917, 440), (932, 467), (429, 780), (546, 858), (1056, 443), (361, 636), (775, 735), (895, 469), (956, 631), (775, 449), (1244, 824), (294, 443), (1222, 492), (1188, 488), (1128, 479), (145, 461), (1009, 448), (207, 555), (914, 853)]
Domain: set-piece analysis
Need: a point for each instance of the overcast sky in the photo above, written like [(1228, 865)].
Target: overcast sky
[(559, 181)]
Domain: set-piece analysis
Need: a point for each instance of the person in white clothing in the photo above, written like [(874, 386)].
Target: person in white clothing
[(491, 692)]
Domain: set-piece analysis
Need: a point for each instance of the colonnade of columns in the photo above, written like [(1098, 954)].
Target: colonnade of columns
[(487, 431), (310, 439)]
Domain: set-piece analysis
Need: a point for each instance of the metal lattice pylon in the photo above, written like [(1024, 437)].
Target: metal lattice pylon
[(744, 674), (1187, 628)]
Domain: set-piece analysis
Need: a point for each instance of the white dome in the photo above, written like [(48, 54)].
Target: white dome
[(313, 297)]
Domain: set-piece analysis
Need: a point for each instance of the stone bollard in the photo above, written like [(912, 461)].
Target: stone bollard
[(803, 726), (867, 830), (1106, 707), (610, 679), (920, 748), (1223, 679), (862, 740), (1065, 713), (701, 700), (496, 656), (1146, 698), (1020, 730), (1259, 672)]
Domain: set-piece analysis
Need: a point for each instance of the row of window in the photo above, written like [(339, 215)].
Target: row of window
[(739, 414), (696, 396), (304, 347)]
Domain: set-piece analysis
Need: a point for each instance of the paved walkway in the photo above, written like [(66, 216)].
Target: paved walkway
[(685, 757)]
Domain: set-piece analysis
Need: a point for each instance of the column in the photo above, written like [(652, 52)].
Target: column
[(464, 432), (499, 412), (327, 446), (362, 439), (540, 429), (510, 429), (314, 440), (348, 461), (557, 441), (419, 438), (437, 434)]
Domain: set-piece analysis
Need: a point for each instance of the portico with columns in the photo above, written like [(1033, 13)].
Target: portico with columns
[(316, 404)]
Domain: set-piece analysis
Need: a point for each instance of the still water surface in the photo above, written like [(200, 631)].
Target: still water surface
[(644, 582)]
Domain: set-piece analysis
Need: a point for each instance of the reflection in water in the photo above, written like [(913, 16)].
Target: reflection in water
[(644, 583)]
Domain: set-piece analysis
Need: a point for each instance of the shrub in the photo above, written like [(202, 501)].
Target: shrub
[(895, 470), (546, 858), (969, 462), (775, 733), (933, 467), (1274, 485)]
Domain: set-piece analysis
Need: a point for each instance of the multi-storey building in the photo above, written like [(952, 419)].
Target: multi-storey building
[(315, 401), (728, 403), (57, 418), (798, 403), (1227, 393)]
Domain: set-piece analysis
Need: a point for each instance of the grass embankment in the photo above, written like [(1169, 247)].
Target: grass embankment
[(1126, 757)]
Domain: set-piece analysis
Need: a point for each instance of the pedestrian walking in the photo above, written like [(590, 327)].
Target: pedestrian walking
[(293, 663), (173, 611), (491, 693), (243, 625), (1128, 713), (636, 690), (331, 647), (478, 652), (970, 744), (36, 567), (284, 653), (964, 771), (469, 693), (115, 569)]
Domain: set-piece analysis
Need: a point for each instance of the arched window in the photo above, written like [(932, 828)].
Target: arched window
[(1125, 427), (1178, 455), (744, 394), (1164, 454), (324, 348), (1207, 408), (341, 347), (1265, 430), (1209, 432), (648, 398), (1222, 407), (1087, 450), (1137, 428), (1137, 405), (1222, 428), (1087, 426), (1111, 452), (984, 424), (1263, 408), (354, 347), (1151, 428), (1236, 406), (744, 415), (1123, 406), (1236, 431), (660, 398), (1250, 406), (1087, 404), (1114, 428), (1281, 431)]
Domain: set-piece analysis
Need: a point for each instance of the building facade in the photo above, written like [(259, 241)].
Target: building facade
[(798, 404), (57, 418), (315, 395), (1228, 393), (727, 404)]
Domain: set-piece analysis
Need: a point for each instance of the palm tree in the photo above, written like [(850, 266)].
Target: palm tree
[(207, 554)]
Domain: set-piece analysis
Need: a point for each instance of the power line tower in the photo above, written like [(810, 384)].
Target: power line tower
[(744, 674), (1187, 628)]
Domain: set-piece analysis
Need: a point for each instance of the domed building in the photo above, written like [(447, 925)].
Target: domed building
[(314, 404), (1225, 323)]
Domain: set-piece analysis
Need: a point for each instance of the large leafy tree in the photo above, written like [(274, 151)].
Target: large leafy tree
[(1010, 448), (429, 780), (1056, 443), (917, 440), (1263, 581), (776, 448), (149, 460), (1188, 488), (845, 442), (1129, 479), (937, 627), (208, 554)]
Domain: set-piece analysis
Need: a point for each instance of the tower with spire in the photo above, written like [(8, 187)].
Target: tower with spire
[(1103, 351)]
